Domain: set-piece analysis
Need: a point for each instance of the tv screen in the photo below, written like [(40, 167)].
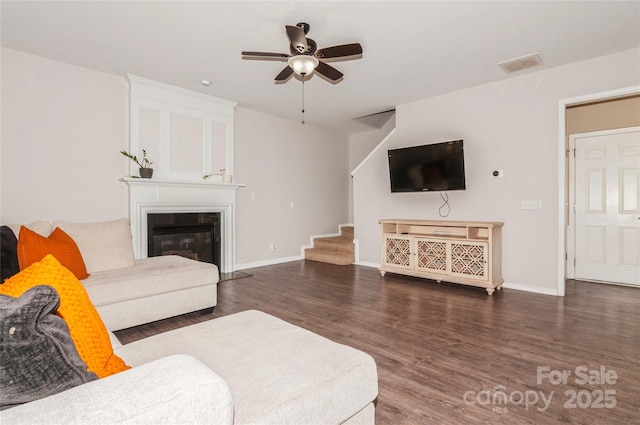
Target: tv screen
[(436, 167)]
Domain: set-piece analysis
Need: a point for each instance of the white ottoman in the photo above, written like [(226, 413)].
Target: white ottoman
[(278, 373)]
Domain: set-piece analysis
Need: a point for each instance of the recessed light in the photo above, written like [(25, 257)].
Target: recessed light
[(205, 83)]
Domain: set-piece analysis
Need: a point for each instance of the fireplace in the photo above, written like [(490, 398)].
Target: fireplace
[(154, 196), (191, 235)]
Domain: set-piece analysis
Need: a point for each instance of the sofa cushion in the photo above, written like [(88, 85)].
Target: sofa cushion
[(40, 227), (104, 245), (8, 254), (150, 276), (85, 325), (38, 355), (33, 247), (172, 390)]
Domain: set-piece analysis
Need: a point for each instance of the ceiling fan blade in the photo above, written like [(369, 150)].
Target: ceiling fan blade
[(329, 71), (284, 74), (266, 54), (340, 51), (297, 38)]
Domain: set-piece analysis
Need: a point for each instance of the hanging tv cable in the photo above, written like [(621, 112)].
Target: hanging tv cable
[(445, 198)]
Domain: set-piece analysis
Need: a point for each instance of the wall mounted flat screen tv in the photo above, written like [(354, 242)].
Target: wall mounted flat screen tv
[(435, 167)]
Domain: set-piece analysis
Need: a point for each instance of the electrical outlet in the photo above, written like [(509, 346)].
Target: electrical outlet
[(272, 246), (531, 204), (253, 196)]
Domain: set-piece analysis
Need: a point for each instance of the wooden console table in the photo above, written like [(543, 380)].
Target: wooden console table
[(453, 251)]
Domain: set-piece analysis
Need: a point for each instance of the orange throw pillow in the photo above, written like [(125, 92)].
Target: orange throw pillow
[(87, 330), (33, 247)]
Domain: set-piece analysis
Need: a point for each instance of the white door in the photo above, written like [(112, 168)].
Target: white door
[(607, 206)]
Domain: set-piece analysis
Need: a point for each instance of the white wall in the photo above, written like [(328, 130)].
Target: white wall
[(281, 162), (512, 125), (63, 128), (360, 146)]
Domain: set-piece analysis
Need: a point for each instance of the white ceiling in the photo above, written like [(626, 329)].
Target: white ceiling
[(412, 50)]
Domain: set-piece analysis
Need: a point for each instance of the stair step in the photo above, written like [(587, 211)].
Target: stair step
[(338, 250), (347, 232), (331, 257), (334, 243)]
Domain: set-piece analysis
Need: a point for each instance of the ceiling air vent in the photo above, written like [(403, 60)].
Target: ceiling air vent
[(523, 62)]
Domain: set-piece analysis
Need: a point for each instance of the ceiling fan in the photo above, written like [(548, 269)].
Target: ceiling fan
[(305, 57)]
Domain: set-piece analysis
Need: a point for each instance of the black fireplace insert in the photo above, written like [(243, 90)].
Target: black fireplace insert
[(191, 235)]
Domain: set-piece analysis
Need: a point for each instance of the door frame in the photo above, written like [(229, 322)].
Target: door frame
[(571, 228), (562, 148)]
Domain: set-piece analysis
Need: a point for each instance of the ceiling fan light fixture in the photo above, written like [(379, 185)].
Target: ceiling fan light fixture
[(303, 64)]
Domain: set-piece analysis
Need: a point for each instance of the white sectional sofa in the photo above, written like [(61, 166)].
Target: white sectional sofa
[(127, 291), (245, 368)]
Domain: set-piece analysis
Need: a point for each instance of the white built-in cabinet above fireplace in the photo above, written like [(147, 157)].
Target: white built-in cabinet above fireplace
[(186, 134)]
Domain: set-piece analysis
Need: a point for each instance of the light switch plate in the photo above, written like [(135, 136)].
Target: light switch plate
[(531, 204)]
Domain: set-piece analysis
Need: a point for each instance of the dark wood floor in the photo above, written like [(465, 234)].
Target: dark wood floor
[(443, 350)]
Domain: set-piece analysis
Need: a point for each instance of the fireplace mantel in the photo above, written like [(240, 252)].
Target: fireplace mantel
[(159, 196), (135, 181)]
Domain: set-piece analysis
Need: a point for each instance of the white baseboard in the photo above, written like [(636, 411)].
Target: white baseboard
[(367, 264), (269, 262), (311, 243), (328, 235), (529, 288), (506, 285)]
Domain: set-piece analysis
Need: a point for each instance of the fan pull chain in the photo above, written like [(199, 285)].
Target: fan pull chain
[(303, 98)]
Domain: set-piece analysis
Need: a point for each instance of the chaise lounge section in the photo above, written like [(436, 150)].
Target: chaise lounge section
[(277, 373), (245, 368)]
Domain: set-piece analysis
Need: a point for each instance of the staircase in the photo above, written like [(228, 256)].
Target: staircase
[(338, 250)]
